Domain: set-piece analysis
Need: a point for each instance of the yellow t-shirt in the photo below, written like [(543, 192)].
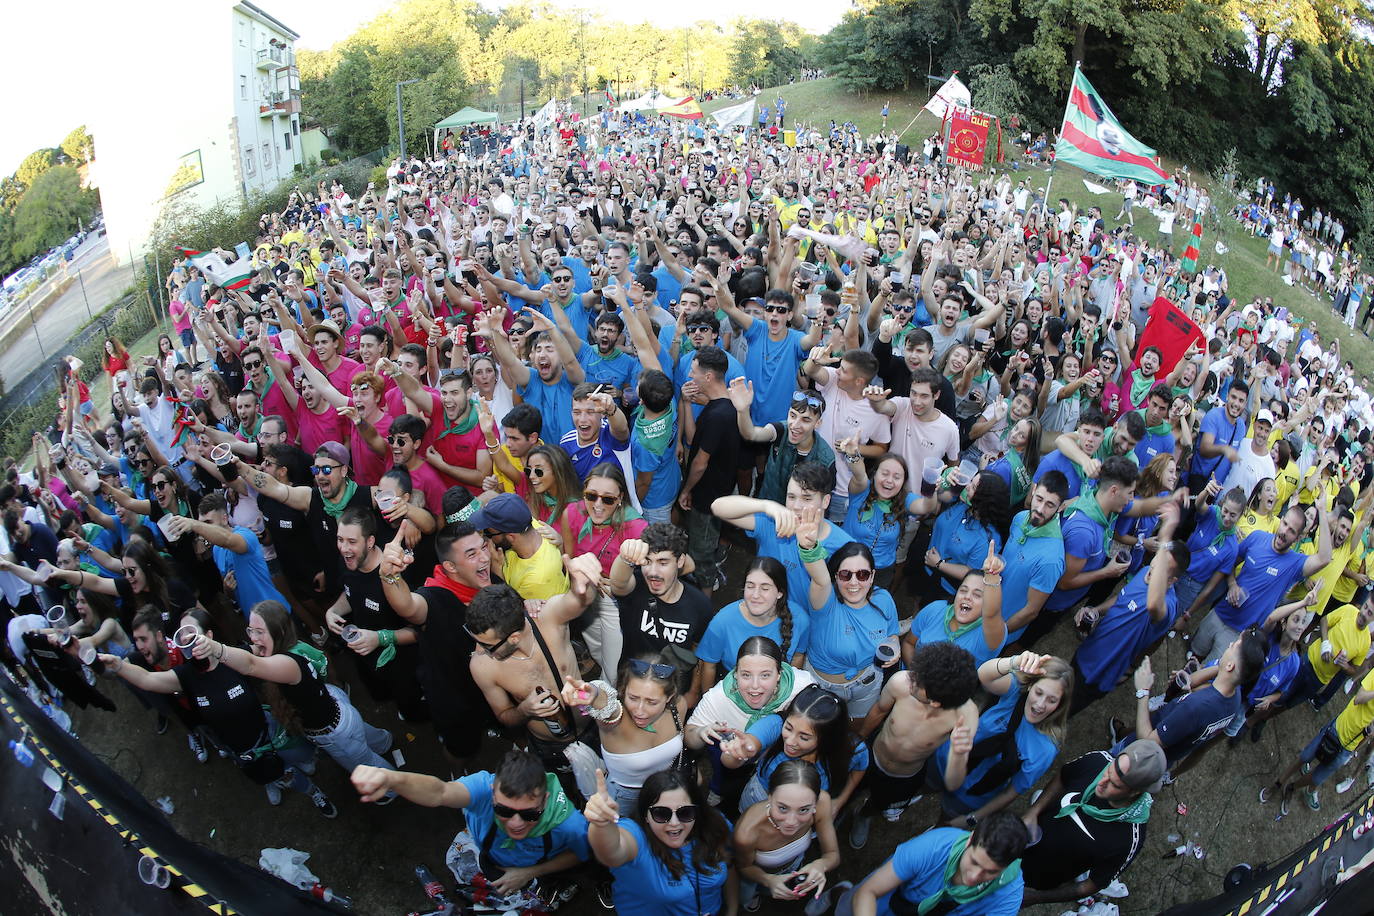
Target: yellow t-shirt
[(541, 576), (1250, 520), (1326, 579), (1359, 563), (507, 485), (1287, 483), (1343, 634), (1355, 718)]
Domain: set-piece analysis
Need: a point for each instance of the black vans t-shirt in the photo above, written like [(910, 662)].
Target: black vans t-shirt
[(650, 624), (1078, 843)]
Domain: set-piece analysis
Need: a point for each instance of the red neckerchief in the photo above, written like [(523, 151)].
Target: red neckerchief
[(440, 579)]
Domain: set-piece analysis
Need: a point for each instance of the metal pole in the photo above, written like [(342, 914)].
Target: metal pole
[(82, 281), (35, 329), (522, 95), (400, 117)]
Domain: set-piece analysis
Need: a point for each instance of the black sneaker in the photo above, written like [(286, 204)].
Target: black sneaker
[(322, 803), (1115, 730), (161, 727), (605, 895)]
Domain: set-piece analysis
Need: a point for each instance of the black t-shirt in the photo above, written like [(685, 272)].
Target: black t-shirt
[(324, 529), (445, 653), (370, 611), (1079, 843), (313, 704), (290, 532), (650, 624), (717, 434), (896, 376), (225, 702), (180, 599), (41, 545)]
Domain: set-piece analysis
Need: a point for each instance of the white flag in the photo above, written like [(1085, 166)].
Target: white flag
[(545, 115), (952, 93), (741, 115)]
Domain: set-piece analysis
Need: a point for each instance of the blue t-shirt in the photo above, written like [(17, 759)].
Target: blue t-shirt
[(669, 287), (586, 457), (552, 400), (1123, 632), (1188, 722), (920, 866), (772, 366), (1083, 537), (1032, 563), (684, 364), (667, 479), (644, 884), (253, 581), (769, 729), (879, 531), (929, 627), (844, 638), (1266, 576), (1224, 432), (1058, 461), (728, 630), (962, 539), (1278, 672), (582, 275), (1152, 445), (1036, 750), (1207, 558), (570, 835), (619, 370), (784, 550), (577, 313)]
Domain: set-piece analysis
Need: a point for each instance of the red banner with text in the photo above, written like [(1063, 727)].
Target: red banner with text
[(968, 138)]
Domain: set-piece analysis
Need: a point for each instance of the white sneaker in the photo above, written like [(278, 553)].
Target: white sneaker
[(1156, 702), (1345, 785), (273, 793), (1116, 890)]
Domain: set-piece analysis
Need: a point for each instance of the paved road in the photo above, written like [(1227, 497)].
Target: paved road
[(104, 281)]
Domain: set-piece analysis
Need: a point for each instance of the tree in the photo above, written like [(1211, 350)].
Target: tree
[(79, 145), (997, 91), (50, 210), (35, 164)]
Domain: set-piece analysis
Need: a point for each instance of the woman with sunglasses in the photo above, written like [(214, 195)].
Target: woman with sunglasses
[(146, 579), (172, 498), (981, 513), (1018, 738), (851, 615), (878, 508), (670, 856), (554, 485), (1017, 465), (487, 383), (764, 610), (598, 525), (775, 833), (971, 619), (640, 720)]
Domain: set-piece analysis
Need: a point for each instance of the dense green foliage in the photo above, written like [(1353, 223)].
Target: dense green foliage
[(43, 203), (1289, 85), (465, 54)]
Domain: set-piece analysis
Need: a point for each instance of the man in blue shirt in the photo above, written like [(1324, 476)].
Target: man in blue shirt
[(1268, 567), (1223, 430), (1159, 437), (1034, 553), (520, 824), (606, 363), (947, 870), (1212, 547), (599, 429), (776, 350), (237, 552), (548, 383)]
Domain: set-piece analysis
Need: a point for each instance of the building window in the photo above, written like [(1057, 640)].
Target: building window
[(266, 156), (250, 165), (287, 137), (243, 87), (296, 127)]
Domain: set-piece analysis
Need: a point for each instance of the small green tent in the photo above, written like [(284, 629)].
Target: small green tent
[(466, 116)]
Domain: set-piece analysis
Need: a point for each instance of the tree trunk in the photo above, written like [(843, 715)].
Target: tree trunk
[(1080, 42)]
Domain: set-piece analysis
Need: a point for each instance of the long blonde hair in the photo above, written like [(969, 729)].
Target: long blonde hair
[(1053, 669)]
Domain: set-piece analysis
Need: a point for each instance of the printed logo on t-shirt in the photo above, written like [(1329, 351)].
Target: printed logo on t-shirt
[(235, 691), (202, 701), (284, 524), (1271, 570), (672, 632), (372, 604)]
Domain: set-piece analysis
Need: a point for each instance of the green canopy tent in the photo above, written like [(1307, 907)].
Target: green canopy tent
[(462, 118)]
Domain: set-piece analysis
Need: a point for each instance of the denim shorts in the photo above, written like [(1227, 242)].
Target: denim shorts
[(859, 694), (1323, 770)]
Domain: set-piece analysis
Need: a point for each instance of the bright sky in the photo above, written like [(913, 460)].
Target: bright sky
[(58, 97)]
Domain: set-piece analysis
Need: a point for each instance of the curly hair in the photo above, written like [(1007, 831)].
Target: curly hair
[(946, 672), (990, 504)]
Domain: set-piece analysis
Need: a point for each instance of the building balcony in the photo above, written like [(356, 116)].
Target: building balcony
[(271, 58), (280, 103)]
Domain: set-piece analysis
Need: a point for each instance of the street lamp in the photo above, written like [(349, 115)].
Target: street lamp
[(400, 117)]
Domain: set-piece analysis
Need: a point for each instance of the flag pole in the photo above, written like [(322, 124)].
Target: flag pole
[(1045, 204)]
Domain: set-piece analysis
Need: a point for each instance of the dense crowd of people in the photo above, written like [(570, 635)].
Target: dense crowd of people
[(725, 489)]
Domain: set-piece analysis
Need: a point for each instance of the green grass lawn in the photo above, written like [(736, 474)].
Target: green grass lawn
[(818, 101)]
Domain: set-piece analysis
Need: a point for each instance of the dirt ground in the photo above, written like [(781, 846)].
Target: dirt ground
[(370, 853)]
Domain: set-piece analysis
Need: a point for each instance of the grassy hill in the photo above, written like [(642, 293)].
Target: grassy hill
[(818, 101)]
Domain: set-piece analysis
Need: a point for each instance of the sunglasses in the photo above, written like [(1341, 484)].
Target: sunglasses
[(863, 575), (251, 366), (534, 472), (528, 815), (319, 470), (662, 814), (562, 279), (161, 485), (143, 463), (487, 647), (602, 498), (398, 439), (640, 668), (778, 309), (694, 328), (802, 399)]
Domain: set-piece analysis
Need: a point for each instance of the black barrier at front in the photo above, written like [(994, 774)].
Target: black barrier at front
[(87, 860)]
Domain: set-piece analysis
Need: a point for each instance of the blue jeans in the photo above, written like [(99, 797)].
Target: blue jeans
[(859, 694), (353, 742), (662, 514), (839, 507), (1323, 770)]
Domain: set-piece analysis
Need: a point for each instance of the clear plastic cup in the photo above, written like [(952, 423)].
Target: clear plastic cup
[(287, 338), (886, 652), (168, 527), (185, 640), (350, 633), (967, 470), (930, 476), (387, 501), (221, 454), (87, 655), (57, 616)]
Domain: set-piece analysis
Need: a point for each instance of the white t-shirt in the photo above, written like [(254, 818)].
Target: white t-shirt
[(845, 417), (1249, 469), (715, 706), (916, 441)]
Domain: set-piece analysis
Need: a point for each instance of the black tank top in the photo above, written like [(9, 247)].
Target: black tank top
[(314, 704), (226, 703)]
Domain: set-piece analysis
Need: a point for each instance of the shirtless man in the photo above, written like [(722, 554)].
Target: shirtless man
[(513, 668), (918, 711)]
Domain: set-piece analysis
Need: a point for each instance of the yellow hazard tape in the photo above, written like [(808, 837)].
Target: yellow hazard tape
[(194, 891)]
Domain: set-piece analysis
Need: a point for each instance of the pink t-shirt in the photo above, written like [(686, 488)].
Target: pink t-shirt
[(604, 542), (319, 428), (274, 403), (368, 466), (424, 479)]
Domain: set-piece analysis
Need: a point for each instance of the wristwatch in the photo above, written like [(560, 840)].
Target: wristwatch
[(970, 821), (1141, 693)]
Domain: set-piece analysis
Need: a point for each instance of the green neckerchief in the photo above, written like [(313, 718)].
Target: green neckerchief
[(960, 628), (1020, 477), (251, 433), (335, 507), (1159, 429), (314, 657), (779, 700), (615, 353), (881, 505), (1050, 529), (557, 809), (1222, 531), (960, 893), (1087, 504), (1137, 812), (630, 514), (1108, 448), (464, 425), (269, 379), (1140, 387), (183, 508), (655, 433)]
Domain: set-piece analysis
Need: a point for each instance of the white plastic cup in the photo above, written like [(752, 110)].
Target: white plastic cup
[(87, 655), (387, 501), (168, 527), (287, 338), (57, 616), (886, 651), (184, 638), (221, 454), (967, 470)]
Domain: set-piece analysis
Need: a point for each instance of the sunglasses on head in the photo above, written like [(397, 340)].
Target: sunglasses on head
[(639, 667), (528, 815), (662, 814), (322, 469), (603, 498), (804, 399), (863, 575)]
